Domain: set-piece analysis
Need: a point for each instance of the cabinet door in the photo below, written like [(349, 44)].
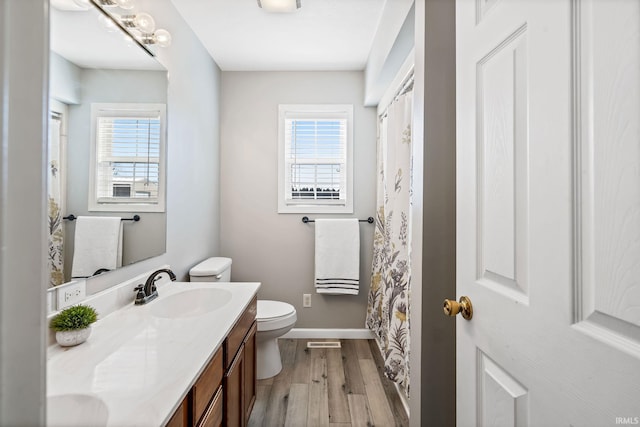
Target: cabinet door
[(233, 393), (249, 371), (180, 418)]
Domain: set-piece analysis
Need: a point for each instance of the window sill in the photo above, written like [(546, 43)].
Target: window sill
[(321, 209)]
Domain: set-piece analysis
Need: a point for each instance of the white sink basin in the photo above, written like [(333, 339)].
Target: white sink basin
[(70, 410), (193, 302)]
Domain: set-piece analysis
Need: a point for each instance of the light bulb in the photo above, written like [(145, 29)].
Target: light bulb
[(163, 38), (144, 22), (125, 4)]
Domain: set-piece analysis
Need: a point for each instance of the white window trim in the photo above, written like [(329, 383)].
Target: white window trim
[(319, 206), (134, 206)]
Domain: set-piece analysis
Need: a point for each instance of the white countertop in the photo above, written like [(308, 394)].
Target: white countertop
[(138, 366)]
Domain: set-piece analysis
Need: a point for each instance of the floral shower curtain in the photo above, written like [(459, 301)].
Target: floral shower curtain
[(54, 184), (388, 302)]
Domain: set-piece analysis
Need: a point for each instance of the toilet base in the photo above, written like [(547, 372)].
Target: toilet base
[(268, 363)]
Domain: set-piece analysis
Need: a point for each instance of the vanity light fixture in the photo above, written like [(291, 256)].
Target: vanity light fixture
[(140, 26), (140, 21), (279, 6), (161, 37)]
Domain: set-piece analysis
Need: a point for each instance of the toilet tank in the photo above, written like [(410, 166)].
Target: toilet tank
[(215, 269)]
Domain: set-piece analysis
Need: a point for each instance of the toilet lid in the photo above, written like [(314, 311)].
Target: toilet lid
[(269, 310), (210, 267)]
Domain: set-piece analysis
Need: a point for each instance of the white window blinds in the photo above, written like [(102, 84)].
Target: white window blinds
[(316, 158), (315, 147), (128, 158)]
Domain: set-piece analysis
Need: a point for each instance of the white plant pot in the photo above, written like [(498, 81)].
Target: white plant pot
[(71, 338)]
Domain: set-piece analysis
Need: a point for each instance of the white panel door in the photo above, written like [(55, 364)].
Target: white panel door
[(548, 212)]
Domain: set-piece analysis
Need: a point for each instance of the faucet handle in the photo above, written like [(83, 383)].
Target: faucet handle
[(140, 291)]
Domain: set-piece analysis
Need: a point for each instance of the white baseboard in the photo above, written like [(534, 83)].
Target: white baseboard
[(302, 333)]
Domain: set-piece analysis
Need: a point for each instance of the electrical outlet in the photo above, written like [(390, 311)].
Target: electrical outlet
[(71, 294), (306, 300)]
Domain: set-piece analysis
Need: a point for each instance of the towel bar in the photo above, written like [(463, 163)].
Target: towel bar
[(72, 217), (306, 220)]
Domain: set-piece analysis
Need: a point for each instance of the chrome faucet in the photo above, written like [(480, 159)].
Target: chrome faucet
[(148, 291)]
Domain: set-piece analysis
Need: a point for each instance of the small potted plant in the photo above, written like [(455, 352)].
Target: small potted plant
[(73, 324)]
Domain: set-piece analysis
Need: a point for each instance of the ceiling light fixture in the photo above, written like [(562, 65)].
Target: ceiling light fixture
[(279, 5)]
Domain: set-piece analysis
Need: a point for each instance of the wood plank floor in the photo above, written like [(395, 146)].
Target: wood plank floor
[(339, 387)]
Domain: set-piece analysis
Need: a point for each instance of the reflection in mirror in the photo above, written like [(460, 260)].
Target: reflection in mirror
[(94, 63)]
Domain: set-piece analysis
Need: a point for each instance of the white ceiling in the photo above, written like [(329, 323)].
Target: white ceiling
[(321, 35)]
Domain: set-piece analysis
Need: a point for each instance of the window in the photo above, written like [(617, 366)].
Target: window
[(127, 157), (315, 159)]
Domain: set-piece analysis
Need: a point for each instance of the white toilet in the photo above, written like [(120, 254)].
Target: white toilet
[(274, 318)]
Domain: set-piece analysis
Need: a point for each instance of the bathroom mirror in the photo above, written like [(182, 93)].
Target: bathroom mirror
[(93, 62)]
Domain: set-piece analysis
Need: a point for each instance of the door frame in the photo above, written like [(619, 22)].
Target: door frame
[(433, 335)]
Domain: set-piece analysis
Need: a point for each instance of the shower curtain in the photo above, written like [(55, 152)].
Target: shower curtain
[(54, 184), (388, 301)]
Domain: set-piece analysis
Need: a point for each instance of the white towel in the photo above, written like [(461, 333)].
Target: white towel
[(97, 244), (337, 256)]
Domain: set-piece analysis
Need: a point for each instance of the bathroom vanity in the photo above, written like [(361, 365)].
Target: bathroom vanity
[(226, 389), (184, 359)]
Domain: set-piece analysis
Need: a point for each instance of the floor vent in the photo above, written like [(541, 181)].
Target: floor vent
[(323, 344)]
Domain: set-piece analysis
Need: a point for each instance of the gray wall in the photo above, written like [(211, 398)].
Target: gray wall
[(278, 249), (64, 80)]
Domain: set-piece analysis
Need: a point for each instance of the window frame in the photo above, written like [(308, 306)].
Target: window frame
[(136, 204), (314, 111)]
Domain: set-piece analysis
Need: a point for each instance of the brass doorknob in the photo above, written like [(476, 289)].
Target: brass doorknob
[(451, 307)]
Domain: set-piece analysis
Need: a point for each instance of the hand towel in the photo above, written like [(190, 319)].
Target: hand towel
[(97, 244), (337, 257)]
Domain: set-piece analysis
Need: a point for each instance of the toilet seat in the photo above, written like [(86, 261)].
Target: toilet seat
[(274, 315)]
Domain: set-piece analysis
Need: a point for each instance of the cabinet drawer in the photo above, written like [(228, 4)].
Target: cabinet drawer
[(206, 385), (213, 416), (239, 331)]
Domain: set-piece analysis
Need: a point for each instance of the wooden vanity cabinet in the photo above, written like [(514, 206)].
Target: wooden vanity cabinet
[(249, 383), (180, 418), (233, 403), (225, 392), (240, 375), (213, 416), (206, 388), (240, 382)]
